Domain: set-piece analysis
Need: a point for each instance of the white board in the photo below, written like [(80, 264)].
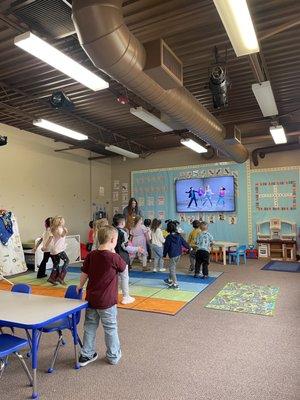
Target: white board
[(72, 250)]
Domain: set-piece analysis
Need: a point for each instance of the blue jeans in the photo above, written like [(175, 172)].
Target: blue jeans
[(157, 253), (108, 319)]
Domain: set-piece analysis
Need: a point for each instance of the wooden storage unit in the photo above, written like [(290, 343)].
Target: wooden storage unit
[(277, 249)]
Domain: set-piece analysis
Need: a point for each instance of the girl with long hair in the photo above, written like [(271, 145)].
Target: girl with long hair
[(157, 246), (131, 211), (140, 237), (58, 247)]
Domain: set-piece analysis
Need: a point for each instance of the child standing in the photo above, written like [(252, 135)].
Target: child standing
[(90, 236), (139, 239), (147, 224), (204, 242), (157, 245), (192, 242), (100, 269), (58, 247), (173, 248), (97, 225), (122, 248), (46, 242)]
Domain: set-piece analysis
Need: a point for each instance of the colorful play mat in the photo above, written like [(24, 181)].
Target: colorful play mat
[(150, 293), (246, 298)]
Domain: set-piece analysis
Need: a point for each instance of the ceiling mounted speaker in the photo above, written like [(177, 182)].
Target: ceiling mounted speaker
[(211, 153)]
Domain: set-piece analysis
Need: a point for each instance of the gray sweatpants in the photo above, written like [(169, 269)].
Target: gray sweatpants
[(172, 268)]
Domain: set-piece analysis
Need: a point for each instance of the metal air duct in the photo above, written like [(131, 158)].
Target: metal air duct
[(114, 49)]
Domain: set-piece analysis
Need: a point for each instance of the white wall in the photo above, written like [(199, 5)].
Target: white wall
[(37, 182)]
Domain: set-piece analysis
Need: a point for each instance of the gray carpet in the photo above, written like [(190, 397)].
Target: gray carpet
[(197, 354)]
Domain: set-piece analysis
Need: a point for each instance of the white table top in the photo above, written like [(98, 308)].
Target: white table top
[(223, 243), (34, 311)]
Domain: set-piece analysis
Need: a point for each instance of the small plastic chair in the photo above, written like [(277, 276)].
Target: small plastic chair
[(10, 344), (216, 254), (240, 252), (18, 288), (21, 288), (61, 325)]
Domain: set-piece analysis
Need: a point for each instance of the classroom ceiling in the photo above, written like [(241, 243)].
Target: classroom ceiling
[(191, 28)]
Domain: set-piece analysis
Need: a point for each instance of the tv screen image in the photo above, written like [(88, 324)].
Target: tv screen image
[(214, 194)]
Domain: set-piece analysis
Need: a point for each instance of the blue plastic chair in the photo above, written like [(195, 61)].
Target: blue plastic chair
[(63, 324), (239, 253), (10, 344), (21, 288), (18, 288)]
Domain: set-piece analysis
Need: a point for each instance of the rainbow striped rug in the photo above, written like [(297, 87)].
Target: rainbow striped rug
[(148, 288)]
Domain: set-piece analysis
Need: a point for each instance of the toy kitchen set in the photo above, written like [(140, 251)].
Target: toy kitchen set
[(276, 239)]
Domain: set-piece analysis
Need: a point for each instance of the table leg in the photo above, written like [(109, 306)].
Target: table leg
[(224, 255), (35, 345), (75, 339)]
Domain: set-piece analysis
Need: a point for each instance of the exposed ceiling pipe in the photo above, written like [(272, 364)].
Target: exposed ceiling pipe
[(261, 152), (114, 49)]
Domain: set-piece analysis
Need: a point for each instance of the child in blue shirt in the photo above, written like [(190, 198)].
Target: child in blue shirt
[(204, 242), (173, 248)]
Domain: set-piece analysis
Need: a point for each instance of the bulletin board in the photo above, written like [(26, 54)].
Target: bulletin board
[(155, 193), (261, 194)]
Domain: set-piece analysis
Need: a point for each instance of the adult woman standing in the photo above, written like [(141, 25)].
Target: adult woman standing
[(131, 211)]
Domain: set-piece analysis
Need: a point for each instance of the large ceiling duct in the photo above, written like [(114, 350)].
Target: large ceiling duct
[(115, 50)]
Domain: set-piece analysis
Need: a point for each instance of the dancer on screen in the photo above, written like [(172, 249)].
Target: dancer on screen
[(207, 195), (192, 196), (222, 193), (201, 192)]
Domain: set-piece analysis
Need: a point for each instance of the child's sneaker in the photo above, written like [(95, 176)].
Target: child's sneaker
[(204, 277), (174, 286), (154, 270), (127, 300), (83, 360), (162, 270), (168, 282)]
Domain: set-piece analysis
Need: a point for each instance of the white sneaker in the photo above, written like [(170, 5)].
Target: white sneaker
[(162, 270), (154, 270), (128, 300)]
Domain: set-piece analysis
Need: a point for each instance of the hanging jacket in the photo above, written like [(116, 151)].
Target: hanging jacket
[(6, 227)]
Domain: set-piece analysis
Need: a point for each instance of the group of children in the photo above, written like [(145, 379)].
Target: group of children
[(113, 250), (146, 239)]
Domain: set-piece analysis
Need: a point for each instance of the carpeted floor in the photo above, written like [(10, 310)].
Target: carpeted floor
[(199, 354)]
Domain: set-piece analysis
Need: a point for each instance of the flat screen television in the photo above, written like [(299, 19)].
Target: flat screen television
[(214, 194)]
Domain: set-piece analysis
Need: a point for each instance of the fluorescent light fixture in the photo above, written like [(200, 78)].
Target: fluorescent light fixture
[(121, 151), (278, 134), (151, 119), (51, 126), (238, 24), (50, 55), (191, 144), (265, 98)]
